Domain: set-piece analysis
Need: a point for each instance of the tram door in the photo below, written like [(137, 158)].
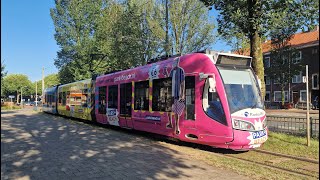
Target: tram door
[(125, 104)]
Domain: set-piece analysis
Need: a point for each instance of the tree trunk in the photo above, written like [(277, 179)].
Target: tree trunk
[(254, 9), (257, 59), (282, 96), (18, 97)]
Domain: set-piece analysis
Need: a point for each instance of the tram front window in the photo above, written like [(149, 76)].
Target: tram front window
[(241, 89)]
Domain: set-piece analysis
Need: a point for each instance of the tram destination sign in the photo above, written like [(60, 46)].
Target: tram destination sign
[(233, 60)]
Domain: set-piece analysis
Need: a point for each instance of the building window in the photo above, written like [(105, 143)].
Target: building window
[(315, 81), (267, 97), (277, 96), (113, 97), (303, 95), (266, 62), (162, 95), (267, 80), (102, 100), (277, 80), (297, 78), (314, 50), (296, 57), (141, 95)]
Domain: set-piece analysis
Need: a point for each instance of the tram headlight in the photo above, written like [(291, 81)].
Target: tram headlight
[(242, 125)]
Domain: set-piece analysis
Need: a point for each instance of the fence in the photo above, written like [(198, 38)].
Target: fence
[(293, 125)]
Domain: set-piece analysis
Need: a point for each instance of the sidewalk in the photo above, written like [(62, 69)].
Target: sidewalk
[(292, 112)]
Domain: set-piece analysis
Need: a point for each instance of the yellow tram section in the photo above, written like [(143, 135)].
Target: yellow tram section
[(75, 99)]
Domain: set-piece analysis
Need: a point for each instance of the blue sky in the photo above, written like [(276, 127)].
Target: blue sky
[(27, 38)]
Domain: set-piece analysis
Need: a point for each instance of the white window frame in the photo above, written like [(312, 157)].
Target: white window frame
[(297, 78), (276, 81), (296, 60), (300, 99), (286, 97), (317, 85), (267, 92), (267, 60), (267, 78)]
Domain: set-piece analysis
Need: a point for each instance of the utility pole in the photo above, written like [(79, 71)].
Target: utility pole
[(167, 30), (42, 83), (21, 98), (36, 93), (308, 115)]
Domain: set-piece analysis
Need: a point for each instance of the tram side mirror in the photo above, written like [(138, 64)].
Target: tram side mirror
[(212, 84)]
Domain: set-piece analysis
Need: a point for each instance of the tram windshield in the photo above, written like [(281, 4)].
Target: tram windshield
[(241, 88)]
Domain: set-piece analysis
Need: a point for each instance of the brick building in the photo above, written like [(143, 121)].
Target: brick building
[(307, 45)]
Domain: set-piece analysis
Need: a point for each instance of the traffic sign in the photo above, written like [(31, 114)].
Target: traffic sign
[(11, 96)]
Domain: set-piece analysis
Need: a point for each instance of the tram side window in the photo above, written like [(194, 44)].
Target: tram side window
[(190, 97), (64, 98), (113, 97), (60, 98), (84, 97), (102, 100), (212, 105), (162, 95), (68, 97), (125, 99), (49, 99), (141, 95)]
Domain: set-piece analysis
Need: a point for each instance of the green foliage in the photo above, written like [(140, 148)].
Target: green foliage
[(256, 19), (13, 83), (49, 81), (191, 28), (3, 74), (75, 24), (96, 37), (282, 67)]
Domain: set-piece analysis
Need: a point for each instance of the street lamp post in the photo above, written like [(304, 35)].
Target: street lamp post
[(21, 95)]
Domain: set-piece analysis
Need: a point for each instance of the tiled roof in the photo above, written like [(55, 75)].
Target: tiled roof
[(299, 39)]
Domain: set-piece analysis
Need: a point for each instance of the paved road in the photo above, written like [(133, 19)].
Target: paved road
[(42, 146)]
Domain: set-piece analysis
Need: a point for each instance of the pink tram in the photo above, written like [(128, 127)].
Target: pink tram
[(208, 98)]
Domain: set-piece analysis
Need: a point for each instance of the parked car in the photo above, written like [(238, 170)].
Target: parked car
[(29, 103)]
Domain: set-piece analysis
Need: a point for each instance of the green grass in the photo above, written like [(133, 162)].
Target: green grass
[(9, 108), (292, 145), (277, 142)]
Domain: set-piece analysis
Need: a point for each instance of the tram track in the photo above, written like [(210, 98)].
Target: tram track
[(288, 156), (266, 165), (292, 165)]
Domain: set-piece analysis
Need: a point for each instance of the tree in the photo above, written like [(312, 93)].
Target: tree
[(13, 83), (3, 74), (101, 36), (49, 81), (190, 27), (254, 20), (283, 68), (75, 24)]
